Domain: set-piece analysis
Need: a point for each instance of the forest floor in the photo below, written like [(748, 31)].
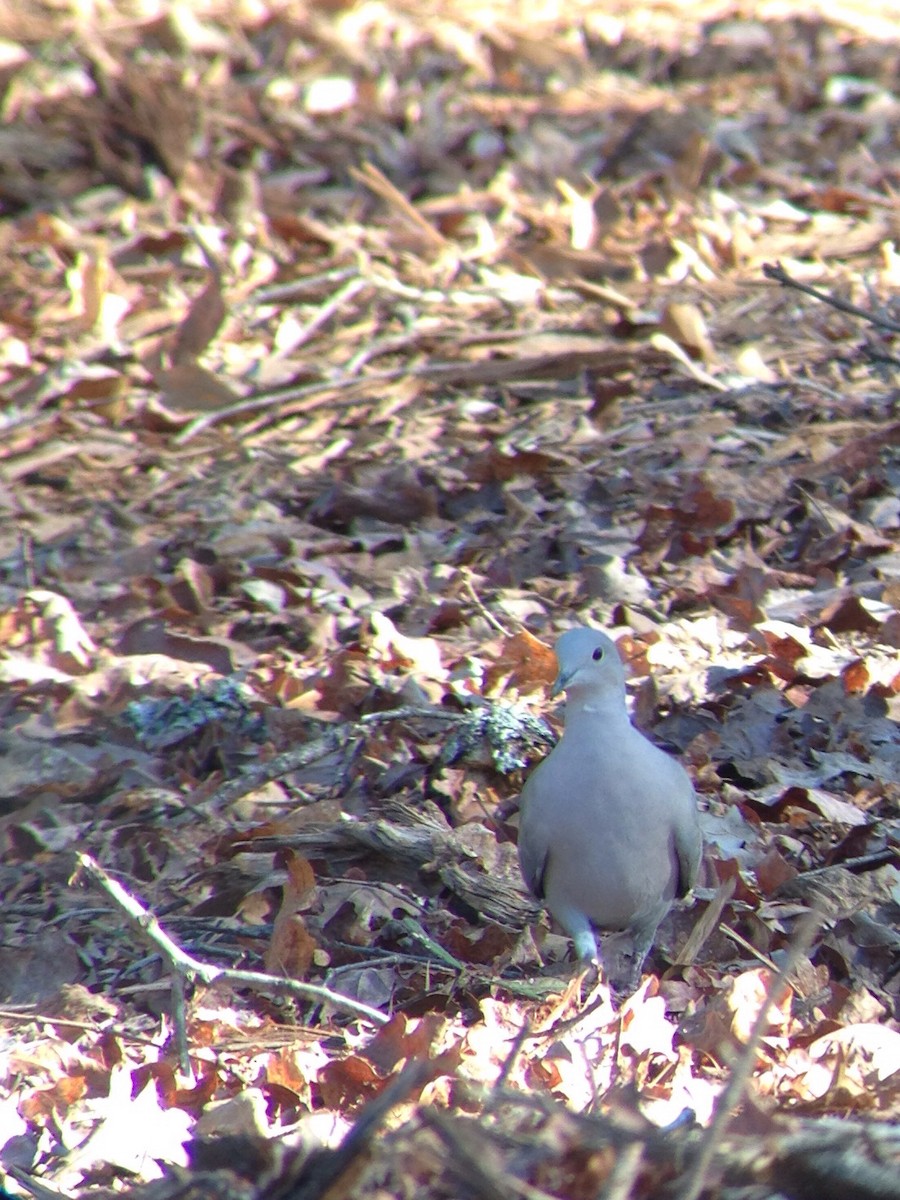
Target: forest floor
[(349, 353)]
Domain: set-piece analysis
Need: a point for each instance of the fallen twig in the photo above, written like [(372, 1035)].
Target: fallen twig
[(323, 1168), (743, 1068), (378, 182), (186, 966), (343, 387), (335, 738), (778, 274)]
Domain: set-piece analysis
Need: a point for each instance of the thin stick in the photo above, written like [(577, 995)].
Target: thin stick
[(105, 1025), (748, 946), (322, 1169), (327, 310), (626, 1168), (281, 293), (807, 929), (706, 924), (179, 1022), (379, 183), (515, 1050), (342, 387), (778, 274), (35, 1186), (477, 601), (279, 396), (330, 742), (182, 963), (558, 1028), (264, 772), (470, 1162)]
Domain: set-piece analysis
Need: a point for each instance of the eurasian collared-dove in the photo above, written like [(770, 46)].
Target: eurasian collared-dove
[(609, 833)]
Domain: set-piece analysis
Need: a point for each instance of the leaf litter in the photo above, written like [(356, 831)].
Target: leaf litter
[(350, 353)]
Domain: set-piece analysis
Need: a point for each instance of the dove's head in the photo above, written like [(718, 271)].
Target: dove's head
[(589, 664)]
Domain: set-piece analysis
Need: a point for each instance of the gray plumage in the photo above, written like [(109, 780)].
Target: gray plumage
[(609, 834)]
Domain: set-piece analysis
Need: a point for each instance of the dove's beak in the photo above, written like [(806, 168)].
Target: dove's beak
[(560, 683)]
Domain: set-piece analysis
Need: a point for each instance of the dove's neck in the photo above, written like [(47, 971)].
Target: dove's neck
[(607, 707)]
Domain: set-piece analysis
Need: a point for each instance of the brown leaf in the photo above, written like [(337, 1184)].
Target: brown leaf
[(348, 1082), (847, 614), (525, 663), (686, 325), (290, 952), (405, 1038), (188, 387), (773, 872), (201, 324)]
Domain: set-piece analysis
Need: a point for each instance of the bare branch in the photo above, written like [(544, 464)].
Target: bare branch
[(778, 274), (191, 968)]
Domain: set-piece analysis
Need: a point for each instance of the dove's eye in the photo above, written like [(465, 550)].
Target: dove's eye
[(598, 654)]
